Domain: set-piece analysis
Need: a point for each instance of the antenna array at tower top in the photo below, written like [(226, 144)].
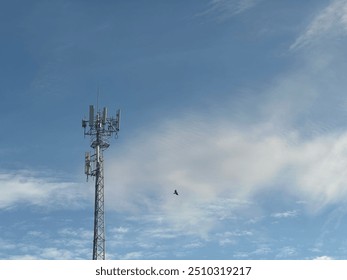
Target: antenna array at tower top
[(100, 123)]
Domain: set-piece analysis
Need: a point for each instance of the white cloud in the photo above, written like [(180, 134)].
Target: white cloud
[(23, 257), (286, 214), (67, 243), (262, 251), (287, 252), (6, 245), (231, 237), (224, 9), (132, 256), (216, 165), (323, 258), (56, 254), (319, 169), (119, 230), (219, 164), (77, 240), (28, 188), (194, 245), (331, 21)]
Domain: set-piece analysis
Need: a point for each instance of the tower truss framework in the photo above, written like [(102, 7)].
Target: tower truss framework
[(100, 128)]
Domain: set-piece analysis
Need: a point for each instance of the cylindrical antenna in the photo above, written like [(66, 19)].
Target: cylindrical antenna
[(87, 164), (104, 116), (118, 119), (91, 115)]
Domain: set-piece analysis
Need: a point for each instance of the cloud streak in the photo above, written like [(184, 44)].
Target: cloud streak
[(224, 9), (25, 187), (67, 243), (331, 21), (287, 214)]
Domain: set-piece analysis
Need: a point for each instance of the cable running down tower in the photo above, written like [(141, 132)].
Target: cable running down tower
[(100, 128)]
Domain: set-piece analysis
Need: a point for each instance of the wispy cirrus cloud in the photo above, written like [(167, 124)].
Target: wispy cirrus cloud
[(324, 258), (224, 9), (26, 187), (287, 214), (329, 22), (229, 237), (67, 243), (287, 252)]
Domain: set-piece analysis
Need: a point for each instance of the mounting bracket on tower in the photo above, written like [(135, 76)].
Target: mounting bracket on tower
[(100, 128)]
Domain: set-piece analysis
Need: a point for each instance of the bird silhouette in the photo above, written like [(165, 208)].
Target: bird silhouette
[(175, 192)]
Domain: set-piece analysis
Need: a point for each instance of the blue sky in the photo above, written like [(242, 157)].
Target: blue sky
[(240, 105)]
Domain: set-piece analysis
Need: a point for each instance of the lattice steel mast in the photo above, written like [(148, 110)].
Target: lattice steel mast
[(101, 128)]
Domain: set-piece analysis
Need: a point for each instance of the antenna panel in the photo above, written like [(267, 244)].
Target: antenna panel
[(97, 153), (87, 163), (104, 116), (118, 119), (91, 115)]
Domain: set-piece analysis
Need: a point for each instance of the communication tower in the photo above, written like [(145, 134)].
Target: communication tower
[(100, 128)]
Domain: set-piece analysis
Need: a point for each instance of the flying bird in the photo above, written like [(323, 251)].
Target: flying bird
[(175, 192)]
